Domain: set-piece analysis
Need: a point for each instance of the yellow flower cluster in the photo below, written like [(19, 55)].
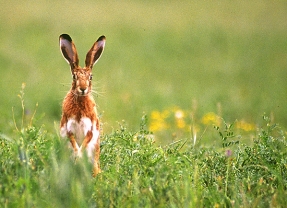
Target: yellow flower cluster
[(158, 121), (211, 119), (173, 117), (245, 125), (178, 119)]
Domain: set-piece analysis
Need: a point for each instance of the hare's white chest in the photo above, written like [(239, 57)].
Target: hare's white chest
[(80, 130)]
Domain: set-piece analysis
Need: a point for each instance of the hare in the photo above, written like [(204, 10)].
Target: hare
[(79, 120)]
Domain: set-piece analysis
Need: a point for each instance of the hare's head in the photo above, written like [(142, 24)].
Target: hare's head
[(82, 77)]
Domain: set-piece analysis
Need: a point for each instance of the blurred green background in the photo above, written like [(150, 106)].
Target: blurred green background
[(158, 54)]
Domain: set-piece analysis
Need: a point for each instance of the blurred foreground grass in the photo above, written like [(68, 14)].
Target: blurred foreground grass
[(158, 55)]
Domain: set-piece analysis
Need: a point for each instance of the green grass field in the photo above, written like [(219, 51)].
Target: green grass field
[(37, 171), (187, 65)]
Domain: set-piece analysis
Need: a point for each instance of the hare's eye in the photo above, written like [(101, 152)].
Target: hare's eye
[(91, 77)]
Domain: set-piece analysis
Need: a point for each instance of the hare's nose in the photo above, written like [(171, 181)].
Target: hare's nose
[(83, 89)]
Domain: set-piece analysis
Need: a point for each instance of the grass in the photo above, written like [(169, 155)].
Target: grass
[(181, 89), (38, 171)]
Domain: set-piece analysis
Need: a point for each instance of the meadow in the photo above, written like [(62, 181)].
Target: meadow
[(191, 95)]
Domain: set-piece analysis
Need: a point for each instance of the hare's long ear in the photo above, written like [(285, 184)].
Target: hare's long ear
[(95, 52), (68, 50)]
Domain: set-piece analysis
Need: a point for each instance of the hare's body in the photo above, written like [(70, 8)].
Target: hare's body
[(76, 121), (79, 116)]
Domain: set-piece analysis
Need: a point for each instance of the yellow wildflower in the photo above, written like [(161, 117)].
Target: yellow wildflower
[(157, 121), (180, 123), (245, 126), (211, 118)]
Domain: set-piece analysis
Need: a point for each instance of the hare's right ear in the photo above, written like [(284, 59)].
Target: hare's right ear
[(95, 52), (68, 50)]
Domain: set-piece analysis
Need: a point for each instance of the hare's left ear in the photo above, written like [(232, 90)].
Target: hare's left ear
[(95, 52), (69, 50)]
